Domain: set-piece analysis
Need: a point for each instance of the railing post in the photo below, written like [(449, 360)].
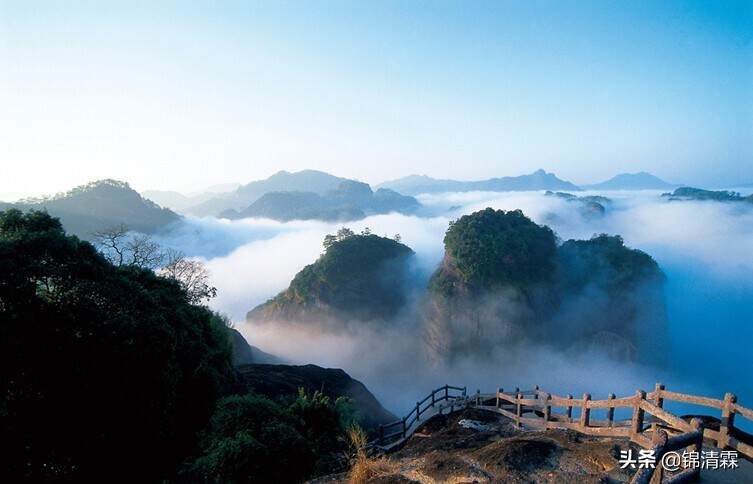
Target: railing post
[(659, 439), (727, 421), (381, 434), (404, 427), (536, 392), (478, 396), (518, 409), (697, 425), (464, 390), (432, 397), (610, 411), (418, 411), (659, 402), (547, 408), (570, 410), (446, 392), (636, 424), (499, 390), (585, 412)]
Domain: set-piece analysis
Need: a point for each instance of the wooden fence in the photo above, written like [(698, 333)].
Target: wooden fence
[(651, 426), (400, 429)]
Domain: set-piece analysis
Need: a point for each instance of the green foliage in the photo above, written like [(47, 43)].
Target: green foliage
[(494, 247), (354, 274), (254, 439), (103, 370), (689, 193), (605, 261)]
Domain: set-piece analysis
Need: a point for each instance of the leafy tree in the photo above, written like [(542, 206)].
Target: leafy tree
[(104, 370), (191, 274), (251, 438)]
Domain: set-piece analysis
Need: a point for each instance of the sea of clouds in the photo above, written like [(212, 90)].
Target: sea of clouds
[(704, 248)]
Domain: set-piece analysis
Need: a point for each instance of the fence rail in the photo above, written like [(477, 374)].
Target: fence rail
[(651, 426)]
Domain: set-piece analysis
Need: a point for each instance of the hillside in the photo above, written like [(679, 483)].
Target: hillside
[(504, 278), (590, 206), (538, 180), (284, 380), (99, 205), (358, 278), (283, 181), (631, 181), (351, 200)]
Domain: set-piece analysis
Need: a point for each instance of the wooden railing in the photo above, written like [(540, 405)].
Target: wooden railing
[(651, 426), (387, 432)]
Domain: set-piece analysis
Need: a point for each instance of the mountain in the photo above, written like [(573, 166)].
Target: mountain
[(351, 200), (504, 280), (180, 202), (99, 205), (631, 181), (279, 380), (360, 278), (538, 180), (303, 181), (244, 354), (590, 206), (689, 193)]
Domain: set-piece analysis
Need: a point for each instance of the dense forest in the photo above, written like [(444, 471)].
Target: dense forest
[(113, 372)]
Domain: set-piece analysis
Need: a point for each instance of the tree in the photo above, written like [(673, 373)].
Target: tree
[(397, 238), (366, 231), (121, 248), (344, 233), (104, 370), (191, 274)]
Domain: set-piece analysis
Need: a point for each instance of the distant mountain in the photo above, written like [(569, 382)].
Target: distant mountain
[(303, 181), (351, 200), (360, 278), (101, 204), (180, 202), (538, 180), (689, 193), (632, 181)]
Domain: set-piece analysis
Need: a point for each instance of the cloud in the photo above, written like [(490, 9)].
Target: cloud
[(705, 248)]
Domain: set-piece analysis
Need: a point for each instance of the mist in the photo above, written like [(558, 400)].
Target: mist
[(704, 248)]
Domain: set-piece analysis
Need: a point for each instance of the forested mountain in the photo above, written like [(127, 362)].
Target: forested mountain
[(360, 278), (283, 181), (351, 200), (99, 205), (538, 180), (504, 279), (589, 206), (689, 193), (631, 181)]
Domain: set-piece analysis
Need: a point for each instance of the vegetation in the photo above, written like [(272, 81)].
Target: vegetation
[(688, 193), (104, 370), (363, 468), (604, 260), (493, 247), (254, 439), (361, 275)]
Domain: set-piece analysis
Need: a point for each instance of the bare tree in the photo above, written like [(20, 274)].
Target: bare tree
[(124, 249), (191, 274), (111, 243)]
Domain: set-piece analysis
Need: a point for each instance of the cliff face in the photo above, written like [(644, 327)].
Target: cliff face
[(504, 280), (359, 278)]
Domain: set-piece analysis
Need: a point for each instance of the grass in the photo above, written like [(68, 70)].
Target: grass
[(363, 468)]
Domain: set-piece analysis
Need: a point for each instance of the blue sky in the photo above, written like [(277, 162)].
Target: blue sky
[(186, 95)]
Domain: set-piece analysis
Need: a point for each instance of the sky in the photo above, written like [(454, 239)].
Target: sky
[(183, 95)]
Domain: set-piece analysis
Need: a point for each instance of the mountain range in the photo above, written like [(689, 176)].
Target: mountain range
[(351, 200), (538, 180)]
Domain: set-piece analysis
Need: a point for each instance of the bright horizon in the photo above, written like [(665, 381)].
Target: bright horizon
[(181, 98)]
